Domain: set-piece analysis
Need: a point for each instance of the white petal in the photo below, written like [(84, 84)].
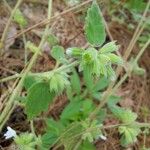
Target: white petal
[(10, 133), (103, 137)]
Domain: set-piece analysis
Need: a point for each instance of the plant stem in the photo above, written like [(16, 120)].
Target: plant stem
[(32, 127), (136, 35), (113, 89), (62, 68), (17, 90), (2, 41)]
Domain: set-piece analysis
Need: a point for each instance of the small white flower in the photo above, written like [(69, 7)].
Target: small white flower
[(10, 133), (103, 137)]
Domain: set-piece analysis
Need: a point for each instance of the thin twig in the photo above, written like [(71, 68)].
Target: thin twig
[(2, 41), (47, 21), (17, 90)]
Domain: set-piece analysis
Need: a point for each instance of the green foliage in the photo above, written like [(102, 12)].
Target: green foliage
[(94, 26), (57, 53), (86, 145), (75, 82), (73, 129), (77, 109), (30, 80), (92, 130), (19, 18), (26, 141), (124, 115), (38, 99), (129, 134), (136, 5), (58, 81), (109, 48), (99, 63), (115, 59)]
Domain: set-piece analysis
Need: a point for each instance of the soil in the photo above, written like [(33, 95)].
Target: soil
[(69, 30)]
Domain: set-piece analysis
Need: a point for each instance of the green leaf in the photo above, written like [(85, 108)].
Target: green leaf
[(136, 5), (110, 73), (108, 48), (94, 26), (57, 53), (101, 84), (129, 134), (88, 79), (55, 127), (26, 141), (104, 59), (48, 139), (124, 115), (86, 145), (75, 82), (97, 95), (30, 80), (87, 107), (19, 18), (38, 99), (115, 59), (58, 81), (72, 110), (113, 100), (101, 115)]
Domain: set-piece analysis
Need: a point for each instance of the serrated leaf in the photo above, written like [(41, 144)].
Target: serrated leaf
[(109, 47), (75, 82), (57, 53), (129, 134), (38, 99), (94, 26), (58, 81), (124, 115)]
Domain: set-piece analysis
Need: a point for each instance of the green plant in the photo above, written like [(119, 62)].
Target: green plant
[(76, 129)]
